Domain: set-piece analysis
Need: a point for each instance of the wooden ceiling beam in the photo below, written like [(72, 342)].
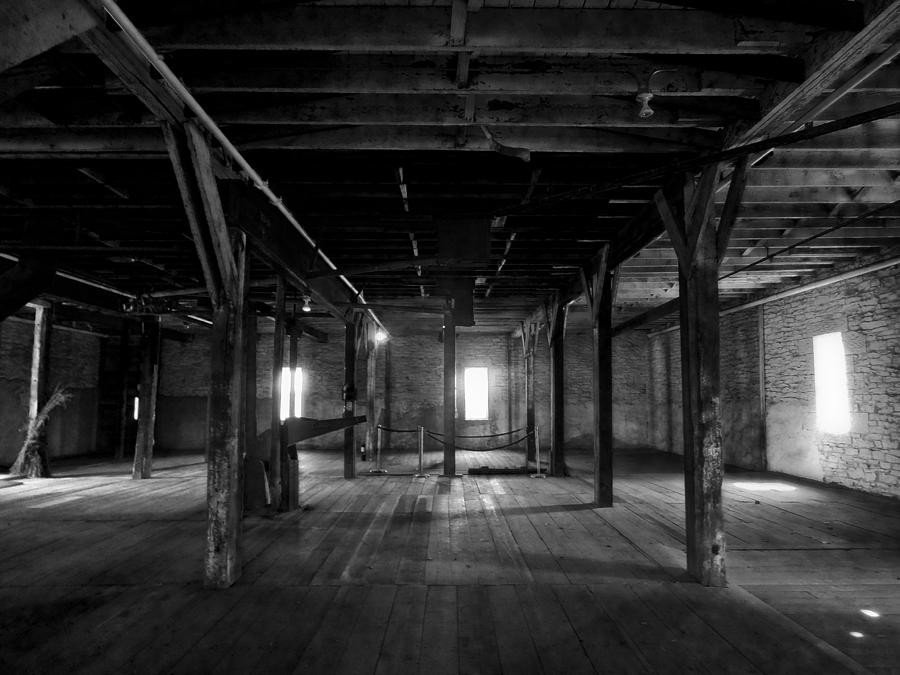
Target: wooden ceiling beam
[(432, 110), (834, 14), (137, 143), (831, 58), (530, 31), (352, 74)]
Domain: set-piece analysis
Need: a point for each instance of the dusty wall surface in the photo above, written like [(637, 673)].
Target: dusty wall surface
[(740, 409), (770, 348), (409, 388), (74, 362), (866, 310)]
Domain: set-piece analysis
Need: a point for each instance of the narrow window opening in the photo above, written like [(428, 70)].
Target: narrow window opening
[(476, 393), (287, 383), (137, 405), (832, 397)]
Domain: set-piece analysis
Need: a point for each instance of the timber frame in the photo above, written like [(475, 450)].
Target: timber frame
[(205, 170)]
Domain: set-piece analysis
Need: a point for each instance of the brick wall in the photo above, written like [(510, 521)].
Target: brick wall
[(739, 408), (74, 364), (866, 310), (409, 388), (780, 433)]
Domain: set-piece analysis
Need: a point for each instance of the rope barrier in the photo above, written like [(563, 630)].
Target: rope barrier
[(499, 447), (502, 433)]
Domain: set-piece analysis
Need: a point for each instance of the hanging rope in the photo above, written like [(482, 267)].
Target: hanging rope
[(499, 447), (502, 433)]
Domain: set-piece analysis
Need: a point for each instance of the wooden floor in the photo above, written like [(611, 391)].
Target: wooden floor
[(480, 574)]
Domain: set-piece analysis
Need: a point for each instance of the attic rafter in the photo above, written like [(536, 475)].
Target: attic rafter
[(535, 31)]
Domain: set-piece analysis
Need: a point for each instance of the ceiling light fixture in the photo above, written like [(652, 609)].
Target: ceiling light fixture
[(306, 307)]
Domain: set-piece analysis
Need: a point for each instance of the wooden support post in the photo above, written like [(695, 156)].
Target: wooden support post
[(449, 394), (351, 333), (597, 281), (556, 331), (529, 342), (277, 453), (33, 461), (147, 389), (698, 245), (226, 410), (371, 372)]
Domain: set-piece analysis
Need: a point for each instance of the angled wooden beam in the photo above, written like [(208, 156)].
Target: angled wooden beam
[(182, 164), (210, 198), (133, 71), (31, 27), (829, 59), (732, 206), (26, 76)]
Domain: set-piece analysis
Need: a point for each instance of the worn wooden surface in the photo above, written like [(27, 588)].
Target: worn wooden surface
[(489, 574)]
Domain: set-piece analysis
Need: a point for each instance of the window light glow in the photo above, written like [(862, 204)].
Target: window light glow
[(764, 487), (832, 399), (137, 405), (476, 393), (286, 392)]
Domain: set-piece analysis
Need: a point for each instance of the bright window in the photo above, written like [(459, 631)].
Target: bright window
[(476, 393), (832, 399), (286, 382)]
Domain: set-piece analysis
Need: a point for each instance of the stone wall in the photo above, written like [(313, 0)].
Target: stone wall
[(866, 310), (780, 433)]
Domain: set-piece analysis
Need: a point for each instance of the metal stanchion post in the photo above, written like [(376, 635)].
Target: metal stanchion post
[(378, 438), (421, 473), (537, 453)]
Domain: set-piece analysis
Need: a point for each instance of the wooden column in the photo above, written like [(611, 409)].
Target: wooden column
[(351, 334), (597, 281), (226, 411), (39, 466), (147, 390), (449, 394), (371, 372), (277, 454), (556, 332), (700, 246), (529, 344)]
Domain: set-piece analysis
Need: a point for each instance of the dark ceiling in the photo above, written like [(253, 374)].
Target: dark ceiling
[(377, 122)]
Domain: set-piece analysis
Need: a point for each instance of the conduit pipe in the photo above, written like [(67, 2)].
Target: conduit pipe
[(146, 50)]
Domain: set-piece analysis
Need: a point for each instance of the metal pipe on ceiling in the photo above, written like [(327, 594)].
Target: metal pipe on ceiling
[(146, 50), (791, 292)]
